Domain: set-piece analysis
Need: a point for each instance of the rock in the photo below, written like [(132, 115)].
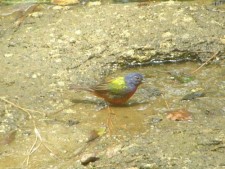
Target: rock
[(210, 142), (8, 55), (222, 39), (69, 111), (34, 76), (36, 14), (87, 158), (57, 8), (61, 83), (194, 95), (155, 120), (72, 40), (112, 151), (58, 60), (149, 166), (11, 44), (72, 122), (94, 3), (64, 2), (78, 32)]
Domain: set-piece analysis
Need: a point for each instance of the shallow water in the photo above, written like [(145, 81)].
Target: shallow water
[(145, 110)]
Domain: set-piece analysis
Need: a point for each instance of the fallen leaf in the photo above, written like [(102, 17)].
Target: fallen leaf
[(96, 133), (101, 131), (179, 115), (8, 138)]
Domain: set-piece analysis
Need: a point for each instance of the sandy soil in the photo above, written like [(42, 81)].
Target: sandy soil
[(44, 49)]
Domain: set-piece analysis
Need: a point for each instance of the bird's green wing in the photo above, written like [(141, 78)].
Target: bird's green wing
[(116, 86)]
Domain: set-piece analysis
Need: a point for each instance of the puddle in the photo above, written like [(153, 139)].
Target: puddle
[(66, 131)]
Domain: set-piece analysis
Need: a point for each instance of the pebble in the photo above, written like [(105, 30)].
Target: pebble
[(87, 158), (95, 3), (61, 83), (57, 8), (72, 40), (65, 2), (72, 122), (210, 142), (155, 120), (167, 34), (149, 166), (78, 32), (7, 55), (70, 111), (222, 40), (11, 44), (36, 14), (34, 76), (130, 52), (58, 60)]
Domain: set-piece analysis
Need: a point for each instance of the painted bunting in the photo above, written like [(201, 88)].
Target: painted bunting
[(116, 91)]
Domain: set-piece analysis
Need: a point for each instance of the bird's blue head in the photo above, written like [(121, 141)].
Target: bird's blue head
[(134, 79)]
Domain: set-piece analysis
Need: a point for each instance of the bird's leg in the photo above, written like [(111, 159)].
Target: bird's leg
[(109, 119)]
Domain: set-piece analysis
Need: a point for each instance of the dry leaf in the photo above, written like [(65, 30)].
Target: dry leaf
[(179, 115), (8, 138)]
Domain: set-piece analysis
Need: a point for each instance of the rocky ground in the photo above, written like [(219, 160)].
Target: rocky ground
[(46, 48)]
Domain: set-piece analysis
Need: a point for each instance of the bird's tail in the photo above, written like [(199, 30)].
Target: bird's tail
[(79, 88)]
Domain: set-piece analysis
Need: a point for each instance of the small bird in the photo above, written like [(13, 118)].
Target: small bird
[(116, 91)]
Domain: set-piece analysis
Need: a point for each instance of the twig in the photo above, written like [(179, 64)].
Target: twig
[(51, 151), (214, 55), (37, 133), (32, 150), (167, 105), (42, 113), (17, 106)]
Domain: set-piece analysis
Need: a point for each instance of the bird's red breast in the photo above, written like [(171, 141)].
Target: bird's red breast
[(115, 100)]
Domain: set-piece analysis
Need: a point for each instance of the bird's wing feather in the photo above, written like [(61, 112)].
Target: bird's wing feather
[(115, 86)]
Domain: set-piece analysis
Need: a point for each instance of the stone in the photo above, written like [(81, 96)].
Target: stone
[(87, 158)]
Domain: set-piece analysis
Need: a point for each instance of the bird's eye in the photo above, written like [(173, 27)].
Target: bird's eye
[(137, 77)]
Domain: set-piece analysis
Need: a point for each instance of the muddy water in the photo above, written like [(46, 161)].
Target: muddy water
[(65, 131), (56, 136)]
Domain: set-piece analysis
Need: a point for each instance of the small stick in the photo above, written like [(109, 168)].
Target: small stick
[(167, 105), (17, 106), (37, 133), (50, 151), (214, 55), (31, 151), (42, 113)]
